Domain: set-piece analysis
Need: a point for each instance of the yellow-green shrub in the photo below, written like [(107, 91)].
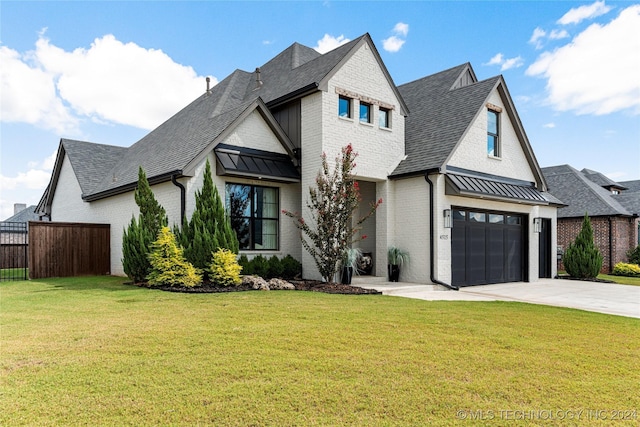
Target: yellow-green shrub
[(624, 269), (225, 269), (168, 265)]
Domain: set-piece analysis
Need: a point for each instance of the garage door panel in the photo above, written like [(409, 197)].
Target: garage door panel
[(496, 254), (476, 261)]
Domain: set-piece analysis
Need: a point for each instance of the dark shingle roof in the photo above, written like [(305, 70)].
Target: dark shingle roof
[(580, 194), (439, 117), (91, 162), (601, 180), (25, 215)]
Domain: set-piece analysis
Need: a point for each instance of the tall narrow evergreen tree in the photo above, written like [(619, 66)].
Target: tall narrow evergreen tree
[(139, 236), (209, 228), (582, 258)]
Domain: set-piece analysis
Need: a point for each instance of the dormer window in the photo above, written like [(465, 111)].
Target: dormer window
[(493, 137), (344, 107), (365, 112)]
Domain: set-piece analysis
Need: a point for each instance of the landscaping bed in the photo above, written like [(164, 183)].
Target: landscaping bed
[(300, 285)]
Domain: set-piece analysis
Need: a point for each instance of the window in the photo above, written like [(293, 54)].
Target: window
[(365, 112), (384, 118), (493, 142), (254, 215), (344, 107)]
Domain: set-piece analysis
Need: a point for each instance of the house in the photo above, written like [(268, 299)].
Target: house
[(13, 230), (613, 208), (448, 155)]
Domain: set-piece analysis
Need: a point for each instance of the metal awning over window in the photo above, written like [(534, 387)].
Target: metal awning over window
[(250, 163), (471, 186)]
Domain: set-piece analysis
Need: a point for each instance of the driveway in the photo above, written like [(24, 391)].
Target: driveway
[(608, 298)]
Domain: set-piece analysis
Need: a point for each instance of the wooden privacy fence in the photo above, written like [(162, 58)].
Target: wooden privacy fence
[(61, 249)]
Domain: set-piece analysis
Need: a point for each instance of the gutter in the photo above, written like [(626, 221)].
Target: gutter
[(183, 197), (431, 236)]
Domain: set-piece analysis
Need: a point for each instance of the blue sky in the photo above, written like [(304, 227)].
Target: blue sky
[(109, 72)]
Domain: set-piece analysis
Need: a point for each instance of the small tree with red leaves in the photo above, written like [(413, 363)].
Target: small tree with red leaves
[(333, 205)]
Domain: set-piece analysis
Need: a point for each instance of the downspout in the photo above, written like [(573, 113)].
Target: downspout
[(183, 196), (432, 237), (610, 245)]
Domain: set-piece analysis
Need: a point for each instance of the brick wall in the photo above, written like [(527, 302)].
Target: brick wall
[(613, 245)]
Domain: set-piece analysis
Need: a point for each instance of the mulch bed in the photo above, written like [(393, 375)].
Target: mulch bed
[(566, 277), (301, 285)]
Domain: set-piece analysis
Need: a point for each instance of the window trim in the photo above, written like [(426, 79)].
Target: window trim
[(387, 111), (497, 148), (252, 218), (349, 115)]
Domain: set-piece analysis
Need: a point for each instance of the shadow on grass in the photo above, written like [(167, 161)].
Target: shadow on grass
[(88, 283)]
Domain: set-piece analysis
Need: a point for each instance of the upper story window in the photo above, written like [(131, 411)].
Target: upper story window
[(384, 118), (493, 137), (365, 112), (254, 215), (344, 107)]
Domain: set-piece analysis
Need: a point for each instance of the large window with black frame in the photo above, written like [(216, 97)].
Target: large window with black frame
[(254, 214)]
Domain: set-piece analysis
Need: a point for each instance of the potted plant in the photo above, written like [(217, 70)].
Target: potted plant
[(396, 257), (350, 258)]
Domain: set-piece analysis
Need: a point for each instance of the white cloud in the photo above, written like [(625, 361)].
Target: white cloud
[(549, 125), (46, 164), (579, 14), (401, 29), (597, 72), (505, 64), (538, 34), (33, 179), (109, 82), (558, 34), (328, 43), (394, 43)]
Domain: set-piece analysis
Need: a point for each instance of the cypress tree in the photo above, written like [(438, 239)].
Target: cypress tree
[(140, 235), (582, 258), (209, 228)]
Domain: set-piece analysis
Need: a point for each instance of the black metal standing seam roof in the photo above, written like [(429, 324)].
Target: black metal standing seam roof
[(580, 194), (468, 185), (439, 117), (241, 161)]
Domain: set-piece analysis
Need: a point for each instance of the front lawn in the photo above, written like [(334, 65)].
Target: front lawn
[(91, 351), (623, 280)]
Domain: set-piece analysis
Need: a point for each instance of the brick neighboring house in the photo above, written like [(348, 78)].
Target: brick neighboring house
[(447, 153), (613, 208)]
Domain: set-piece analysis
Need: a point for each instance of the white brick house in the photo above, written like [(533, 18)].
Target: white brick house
[(265, 133)]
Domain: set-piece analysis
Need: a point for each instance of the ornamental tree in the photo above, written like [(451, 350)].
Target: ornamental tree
[(333, 226), (582, 258)]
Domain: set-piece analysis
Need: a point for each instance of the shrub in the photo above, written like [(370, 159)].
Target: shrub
[(291, 267), (623, 269), (224, 269), (168, 265), (247, 266), (634, 255), (582, 259), (275, 267), (260, 266)]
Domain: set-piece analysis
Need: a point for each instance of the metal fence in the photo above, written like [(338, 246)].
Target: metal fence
[(14, 251)]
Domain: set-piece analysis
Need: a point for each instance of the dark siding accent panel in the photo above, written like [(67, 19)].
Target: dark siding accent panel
[(289, 117)]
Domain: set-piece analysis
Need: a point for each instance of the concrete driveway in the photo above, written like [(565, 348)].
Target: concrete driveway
[(608, 298)]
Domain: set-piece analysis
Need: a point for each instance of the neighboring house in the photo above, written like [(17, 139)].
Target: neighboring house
[(423, 148), (12, 230), (613, 208)]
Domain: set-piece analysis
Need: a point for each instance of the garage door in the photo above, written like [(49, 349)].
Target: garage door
[(487, 247)]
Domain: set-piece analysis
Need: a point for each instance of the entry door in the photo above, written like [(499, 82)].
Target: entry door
[(544, 256), (487, 247)]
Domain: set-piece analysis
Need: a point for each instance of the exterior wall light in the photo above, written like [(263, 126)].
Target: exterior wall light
[(448, 223), (537, 225)]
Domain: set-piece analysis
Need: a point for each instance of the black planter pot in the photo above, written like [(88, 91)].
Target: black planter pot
[(347, 274), (394, 272)]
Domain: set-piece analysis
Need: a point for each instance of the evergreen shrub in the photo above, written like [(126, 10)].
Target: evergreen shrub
[(624, 269), (224, 269), (582, 259), (634, 255), (291, 267), (168, 265), (275, 267)]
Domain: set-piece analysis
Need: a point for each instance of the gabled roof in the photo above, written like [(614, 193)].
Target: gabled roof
[(602, 180), (25, 215), (443, 106), (581, 194)]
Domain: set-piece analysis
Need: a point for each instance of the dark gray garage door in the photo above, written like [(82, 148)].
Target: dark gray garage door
[(487, 247)]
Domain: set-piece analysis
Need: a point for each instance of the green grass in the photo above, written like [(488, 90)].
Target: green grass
[(13, 273), (623, 280), (91, 351)]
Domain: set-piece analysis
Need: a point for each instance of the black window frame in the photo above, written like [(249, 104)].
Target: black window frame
[(349, 102), (495, 137), (387, 113), (254, 220), (369, 118)]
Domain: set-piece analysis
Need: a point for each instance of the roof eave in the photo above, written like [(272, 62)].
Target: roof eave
[(158, 179)]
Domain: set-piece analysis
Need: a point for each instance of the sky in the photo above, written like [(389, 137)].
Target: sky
[(109, 72)]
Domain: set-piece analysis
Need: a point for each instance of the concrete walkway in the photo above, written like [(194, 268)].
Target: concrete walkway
[(608, 298)]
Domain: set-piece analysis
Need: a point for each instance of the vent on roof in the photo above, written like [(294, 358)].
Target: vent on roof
[(208, 87), (258, 79)]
